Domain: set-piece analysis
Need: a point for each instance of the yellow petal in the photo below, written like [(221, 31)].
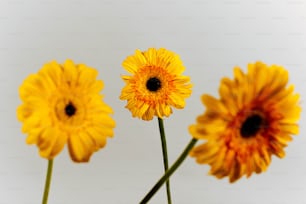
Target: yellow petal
[(77, 149)]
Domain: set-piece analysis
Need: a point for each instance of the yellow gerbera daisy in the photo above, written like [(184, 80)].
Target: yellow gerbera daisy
[(156, 84), (62, 104), (253, 119)]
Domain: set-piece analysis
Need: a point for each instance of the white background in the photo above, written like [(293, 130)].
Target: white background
[(211, 36)]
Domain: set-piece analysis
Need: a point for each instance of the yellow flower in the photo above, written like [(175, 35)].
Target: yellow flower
[(253, 120), (62, 104), (156, 84)]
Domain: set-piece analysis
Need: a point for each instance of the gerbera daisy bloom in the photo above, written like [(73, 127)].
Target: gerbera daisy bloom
[(156, 84), (62, 105), (254, 119)]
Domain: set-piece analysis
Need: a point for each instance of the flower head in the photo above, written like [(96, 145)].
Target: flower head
[(253, 120), (156, 83), (62, 104)]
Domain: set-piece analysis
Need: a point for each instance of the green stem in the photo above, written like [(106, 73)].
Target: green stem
[(48, 181), (165, 155), (170, 171)]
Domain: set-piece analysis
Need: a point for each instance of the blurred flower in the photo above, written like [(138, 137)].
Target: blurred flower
[(254, 119), (156, 83), (62, 104)]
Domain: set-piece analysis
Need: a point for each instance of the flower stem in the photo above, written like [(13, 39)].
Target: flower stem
[(165, 155), (169, 172), (48, 181)]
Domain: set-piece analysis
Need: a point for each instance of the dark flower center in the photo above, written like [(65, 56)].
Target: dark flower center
[(70, 109), (251, 126), (153, 84)]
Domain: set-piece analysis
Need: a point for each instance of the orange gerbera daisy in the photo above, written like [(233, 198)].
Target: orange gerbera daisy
[(253, 120)]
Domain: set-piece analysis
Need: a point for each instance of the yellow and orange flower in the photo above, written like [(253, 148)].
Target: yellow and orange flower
[(62, 105), (156, 83), (254, 119)]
